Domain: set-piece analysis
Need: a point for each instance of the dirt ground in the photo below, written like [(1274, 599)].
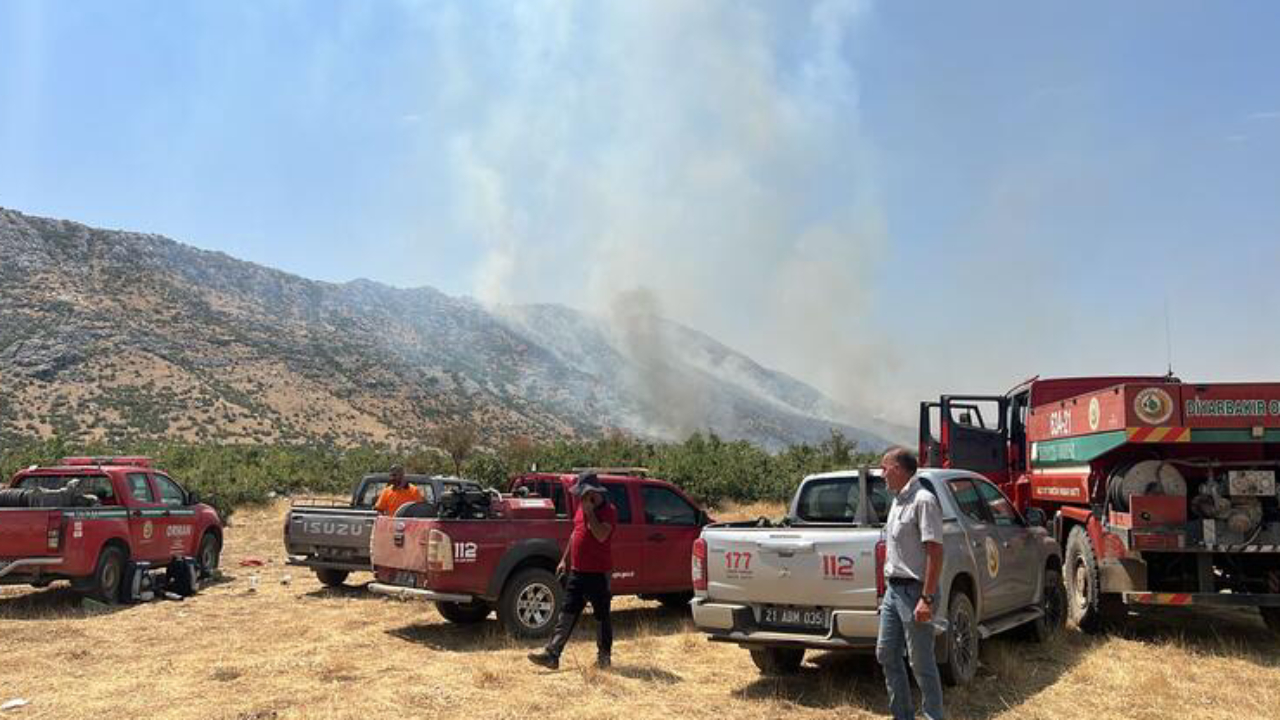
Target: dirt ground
[(297, 650)]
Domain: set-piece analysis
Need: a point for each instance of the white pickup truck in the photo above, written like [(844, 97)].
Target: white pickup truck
[(815, 580)]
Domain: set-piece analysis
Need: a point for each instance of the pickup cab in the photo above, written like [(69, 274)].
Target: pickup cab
[(333, 540), (487, 552), (88, 519), (816, 579)]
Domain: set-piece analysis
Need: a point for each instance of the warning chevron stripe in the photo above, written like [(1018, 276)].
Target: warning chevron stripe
[(1158, 434)]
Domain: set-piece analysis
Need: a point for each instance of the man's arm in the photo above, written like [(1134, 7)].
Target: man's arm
[(931, 537), (599, 530)]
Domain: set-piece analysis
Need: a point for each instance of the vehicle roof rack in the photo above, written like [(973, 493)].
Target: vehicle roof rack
[(638, 471), (100, 460)]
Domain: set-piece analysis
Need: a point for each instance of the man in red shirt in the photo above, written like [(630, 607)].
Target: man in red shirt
[(589, 562)]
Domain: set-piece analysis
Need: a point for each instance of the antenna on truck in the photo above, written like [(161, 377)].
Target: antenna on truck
[(1168, 336)]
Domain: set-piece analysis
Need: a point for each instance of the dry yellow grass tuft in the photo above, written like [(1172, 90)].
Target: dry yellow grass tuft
[(302, 651)]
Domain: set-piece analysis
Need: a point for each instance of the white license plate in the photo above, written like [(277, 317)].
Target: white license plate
[(807, 618), (1252, 482)]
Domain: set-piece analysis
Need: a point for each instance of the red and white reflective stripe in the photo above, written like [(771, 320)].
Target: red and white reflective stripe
[(1158, 434), (1161, 598)]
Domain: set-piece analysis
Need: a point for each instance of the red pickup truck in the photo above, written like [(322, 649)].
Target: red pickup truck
[(88, 520), (487, 552)]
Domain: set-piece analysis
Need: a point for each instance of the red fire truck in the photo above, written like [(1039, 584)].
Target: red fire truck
[(1160, 492)]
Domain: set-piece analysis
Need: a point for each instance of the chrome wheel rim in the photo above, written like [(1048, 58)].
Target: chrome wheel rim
[(535, 605), (1080, 591), (110, 577)]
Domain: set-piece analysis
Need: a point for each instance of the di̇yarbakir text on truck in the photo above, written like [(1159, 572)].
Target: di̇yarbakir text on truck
[(816, 579), (486, 551), (1160, 492)]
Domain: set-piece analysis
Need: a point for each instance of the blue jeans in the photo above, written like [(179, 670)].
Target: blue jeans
[(899, 634)]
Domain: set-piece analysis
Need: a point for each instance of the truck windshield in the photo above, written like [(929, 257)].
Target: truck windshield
[(835, 500), (97, 485)]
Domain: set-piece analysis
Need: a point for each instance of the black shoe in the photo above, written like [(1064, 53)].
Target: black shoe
[(545, 659), (604, 662)]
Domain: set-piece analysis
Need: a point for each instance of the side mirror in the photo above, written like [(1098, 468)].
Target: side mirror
[(193, 498), (1037, 518)]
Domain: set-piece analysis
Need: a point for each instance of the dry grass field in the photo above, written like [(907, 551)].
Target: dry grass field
[(298, 650)]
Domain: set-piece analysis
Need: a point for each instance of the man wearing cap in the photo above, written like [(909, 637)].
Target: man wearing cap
[(589, 561), (398, 492)]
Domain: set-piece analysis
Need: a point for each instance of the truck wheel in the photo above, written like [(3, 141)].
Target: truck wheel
[(332, 577), (530, 603), (961, 663), (108, 576), (1054, 605), (209, 554), (1271, 616), (1087, 607), (675, 601), (464, 613), (777, 660)]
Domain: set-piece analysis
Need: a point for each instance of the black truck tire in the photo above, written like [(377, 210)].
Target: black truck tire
[(777, 660), (1271, 616), (464, 613), (1054, 605), (530, 603), (961, 662), (108, 576), (1088, 608), (332, 577), (209, 554)]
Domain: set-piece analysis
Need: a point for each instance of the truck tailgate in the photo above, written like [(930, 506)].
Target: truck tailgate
[(401, 543), (818, 566), (24, 533), (331, 527)]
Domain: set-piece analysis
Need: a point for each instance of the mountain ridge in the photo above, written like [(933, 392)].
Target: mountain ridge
[(118, 335)]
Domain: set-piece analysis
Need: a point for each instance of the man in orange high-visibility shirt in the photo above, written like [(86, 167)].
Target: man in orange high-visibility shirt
[(398, 492)]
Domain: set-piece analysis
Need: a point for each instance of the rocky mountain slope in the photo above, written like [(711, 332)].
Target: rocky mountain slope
[(119, 335)]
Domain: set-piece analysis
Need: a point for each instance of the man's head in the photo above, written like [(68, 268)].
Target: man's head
[(397, 476), (898, 464), (588, 487)]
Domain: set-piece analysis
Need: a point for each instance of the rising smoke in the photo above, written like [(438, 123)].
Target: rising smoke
[(701, 161)]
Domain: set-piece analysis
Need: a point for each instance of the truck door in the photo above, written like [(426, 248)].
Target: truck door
[(628, 541), (146, 530), (972, 434), (982, 536), (179, 520), (671, 526), (1014, 557)]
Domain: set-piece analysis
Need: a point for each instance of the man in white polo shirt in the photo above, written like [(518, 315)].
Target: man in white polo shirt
[(913, 564)]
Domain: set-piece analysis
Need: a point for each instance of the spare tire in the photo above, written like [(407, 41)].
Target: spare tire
[(15, 497), (417, 510)]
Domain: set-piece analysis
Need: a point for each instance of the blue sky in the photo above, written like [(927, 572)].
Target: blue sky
[(888, 199)]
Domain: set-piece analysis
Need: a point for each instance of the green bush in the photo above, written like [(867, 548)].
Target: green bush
[(229, 476)]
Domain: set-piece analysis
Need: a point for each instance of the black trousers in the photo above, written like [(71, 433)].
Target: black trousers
[(584, 588)]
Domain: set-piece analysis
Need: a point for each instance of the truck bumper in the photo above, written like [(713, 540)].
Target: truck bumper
[(9, 566), (1218, 599), (417, 593), (728, 622), (319, 563)]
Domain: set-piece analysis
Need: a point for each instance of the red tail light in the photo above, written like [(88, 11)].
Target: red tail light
[(880, 556), (55, 529), (439, 551), (699, 564)]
